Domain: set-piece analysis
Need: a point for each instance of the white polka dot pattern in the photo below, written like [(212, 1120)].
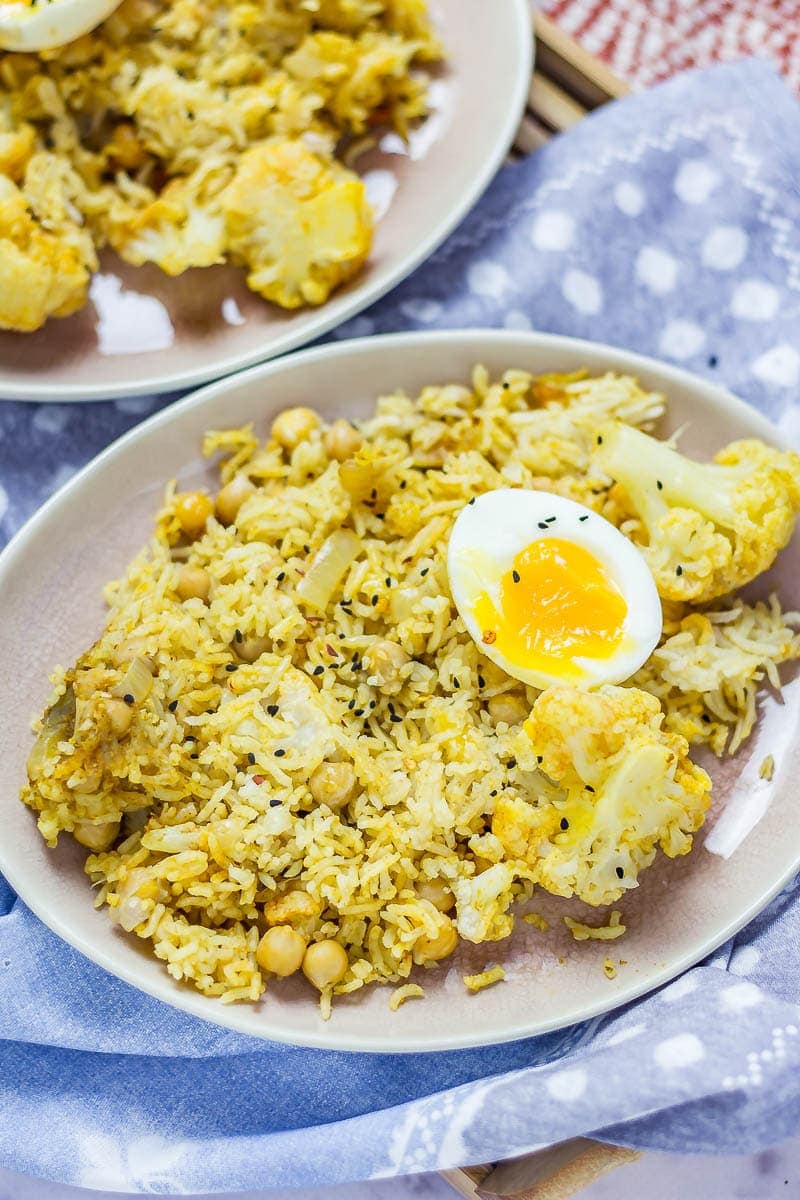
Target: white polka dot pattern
[(583, 292)]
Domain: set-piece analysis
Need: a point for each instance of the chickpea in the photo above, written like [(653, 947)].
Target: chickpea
[(341, 441), (325, 963), (120, 716), (193, 583), (281, 950), (96, 837), (432, 949), (231, 498), (293, 426), (507, 708), (439, 894), (250, 648), (386, 661), (193, 510), (332, 783)]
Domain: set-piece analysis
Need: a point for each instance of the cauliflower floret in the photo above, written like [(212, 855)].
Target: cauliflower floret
[(627, 788), (179, 229), (300, 226), (16, 148), (704, 528), (481, 904), (43, 273)]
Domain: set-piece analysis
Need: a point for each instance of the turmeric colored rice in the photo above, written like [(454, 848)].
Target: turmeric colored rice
[(285, 740)]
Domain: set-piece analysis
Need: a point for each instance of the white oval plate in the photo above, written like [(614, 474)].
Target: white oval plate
[(143, 333), (50, 581)]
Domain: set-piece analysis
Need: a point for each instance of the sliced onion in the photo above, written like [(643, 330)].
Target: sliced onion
[(58, 725), (137, 681), (328, 567)]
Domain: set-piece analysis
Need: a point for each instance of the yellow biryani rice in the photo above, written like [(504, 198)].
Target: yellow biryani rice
[(284, 724)]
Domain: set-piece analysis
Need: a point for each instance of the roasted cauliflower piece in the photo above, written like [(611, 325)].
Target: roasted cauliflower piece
[(44, 272), (626, 788), (177, 230), (704, 528), (299, 225)]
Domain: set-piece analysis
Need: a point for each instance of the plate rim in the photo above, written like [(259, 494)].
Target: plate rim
[(342, 308), (325, 1038)]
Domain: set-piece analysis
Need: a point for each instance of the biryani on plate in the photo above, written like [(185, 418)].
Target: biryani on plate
[(198, 132), (398, 674)]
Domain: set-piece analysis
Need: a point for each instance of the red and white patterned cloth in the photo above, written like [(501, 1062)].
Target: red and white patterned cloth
[(645, 41)]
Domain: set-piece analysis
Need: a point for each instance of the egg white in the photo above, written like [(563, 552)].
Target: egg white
[(491, 531), (49, 23)]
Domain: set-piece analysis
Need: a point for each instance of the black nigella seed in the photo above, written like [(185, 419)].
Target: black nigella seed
[(564, 823), (512, 762), (506, 386), (173, 704), (424, 571), (351, 705), (318, 670), (279, 753), (239, 637), (230, 666), (281, 576), (395, 718), (456, 684), (307, 549), (128, 698), (679, 570), (391, 707), (388, 581), (251, 758), (542, 524), (539, 759), (599, 440), (194, 756), (403, 485), (374, 601), (359, 712), (620, 873), (515, 576), (190, 738), (706, 719), (589, 788), (472, 501), (274, 802), (373, 494), (481, 681), (493, 793), (659, 484), (585, 517), (272, 709), (712, 360), (373, 703)]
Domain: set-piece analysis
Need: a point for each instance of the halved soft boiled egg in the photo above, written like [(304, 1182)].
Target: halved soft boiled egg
[(31, 25), (550, 591)]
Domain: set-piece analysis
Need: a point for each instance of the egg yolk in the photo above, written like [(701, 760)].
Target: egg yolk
[(557, 604)]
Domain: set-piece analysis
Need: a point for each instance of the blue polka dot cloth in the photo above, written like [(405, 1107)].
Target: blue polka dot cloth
[(669, 223)]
